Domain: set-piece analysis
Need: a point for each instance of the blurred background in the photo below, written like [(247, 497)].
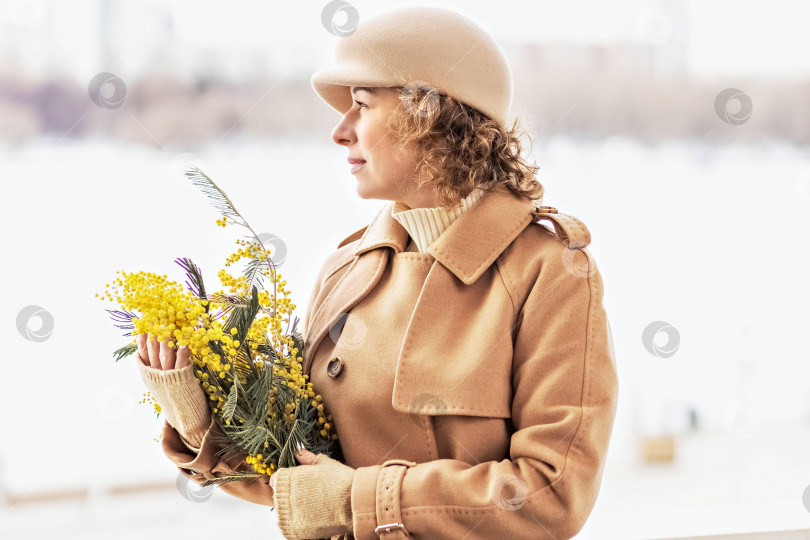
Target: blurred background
[(678, 132)]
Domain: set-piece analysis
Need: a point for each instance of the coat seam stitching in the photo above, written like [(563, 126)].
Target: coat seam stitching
[(431, 435), (491, 507), (586, 356), (324, 302)]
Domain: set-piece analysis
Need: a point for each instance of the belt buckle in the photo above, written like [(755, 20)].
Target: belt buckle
[(404, 462), (389, 526)]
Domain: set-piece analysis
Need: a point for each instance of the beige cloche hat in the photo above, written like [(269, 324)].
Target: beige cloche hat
[(417, 45)]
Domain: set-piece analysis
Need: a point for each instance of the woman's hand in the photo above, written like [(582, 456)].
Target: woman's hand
[(322, 489), (304, 457), (158, 355)]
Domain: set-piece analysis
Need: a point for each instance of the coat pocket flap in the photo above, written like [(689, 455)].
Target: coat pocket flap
[(440, 370)]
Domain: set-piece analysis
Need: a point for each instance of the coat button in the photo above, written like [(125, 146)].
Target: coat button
[(334, 367)]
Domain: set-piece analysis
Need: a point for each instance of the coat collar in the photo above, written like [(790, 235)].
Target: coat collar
[(471, 243), (466, 248)]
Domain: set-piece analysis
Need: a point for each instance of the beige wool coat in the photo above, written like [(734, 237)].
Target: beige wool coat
[(473, 386)]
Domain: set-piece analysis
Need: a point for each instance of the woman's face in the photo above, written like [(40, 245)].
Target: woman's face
[(384, 174)]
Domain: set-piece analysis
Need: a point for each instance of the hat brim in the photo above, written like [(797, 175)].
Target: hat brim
[(332, 85)]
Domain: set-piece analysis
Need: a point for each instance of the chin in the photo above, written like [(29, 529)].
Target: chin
[(369, 189), (363, 192)]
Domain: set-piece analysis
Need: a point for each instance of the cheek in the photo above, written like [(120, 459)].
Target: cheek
[(375, 136)]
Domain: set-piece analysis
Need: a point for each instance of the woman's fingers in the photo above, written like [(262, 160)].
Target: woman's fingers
[(183, 357), (168, 356), (158, 354), (143, 353), (154, 352), (304, 456)]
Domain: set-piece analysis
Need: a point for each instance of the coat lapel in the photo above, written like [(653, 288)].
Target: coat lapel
[(448, 308), (359, 279), (473, 241), (440, 370)]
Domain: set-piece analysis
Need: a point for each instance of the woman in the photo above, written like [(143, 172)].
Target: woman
[(462, 348)]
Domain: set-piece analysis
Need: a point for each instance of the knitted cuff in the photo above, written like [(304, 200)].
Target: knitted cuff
[(282, 493), (314, 501), (180, 396)]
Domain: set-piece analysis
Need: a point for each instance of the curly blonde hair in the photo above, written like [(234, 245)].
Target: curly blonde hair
[(460, 148)]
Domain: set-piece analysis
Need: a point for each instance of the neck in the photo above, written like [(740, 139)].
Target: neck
[(426, 198)]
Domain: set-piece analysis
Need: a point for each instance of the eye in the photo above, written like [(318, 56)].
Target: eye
[(361, 104)]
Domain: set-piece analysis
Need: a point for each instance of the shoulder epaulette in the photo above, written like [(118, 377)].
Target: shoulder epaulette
[(573, 233)]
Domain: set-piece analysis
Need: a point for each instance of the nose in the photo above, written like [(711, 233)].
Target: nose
[(343, 133)]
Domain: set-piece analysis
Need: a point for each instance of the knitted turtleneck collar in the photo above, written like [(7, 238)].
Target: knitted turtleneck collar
[(425, 225)]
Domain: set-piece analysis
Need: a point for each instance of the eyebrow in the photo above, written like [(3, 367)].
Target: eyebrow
[(364, 88)]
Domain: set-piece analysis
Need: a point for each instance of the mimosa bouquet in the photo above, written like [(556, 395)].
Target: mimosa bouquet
[(244, 359)]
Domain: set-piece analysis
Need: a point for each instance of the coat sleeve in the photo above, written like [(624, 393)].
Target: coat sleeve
[(190, 434), (210, 463), (565, 391)]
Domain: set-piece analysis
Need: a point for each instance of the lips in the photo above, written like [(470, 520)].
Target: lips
[(356, 160)]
